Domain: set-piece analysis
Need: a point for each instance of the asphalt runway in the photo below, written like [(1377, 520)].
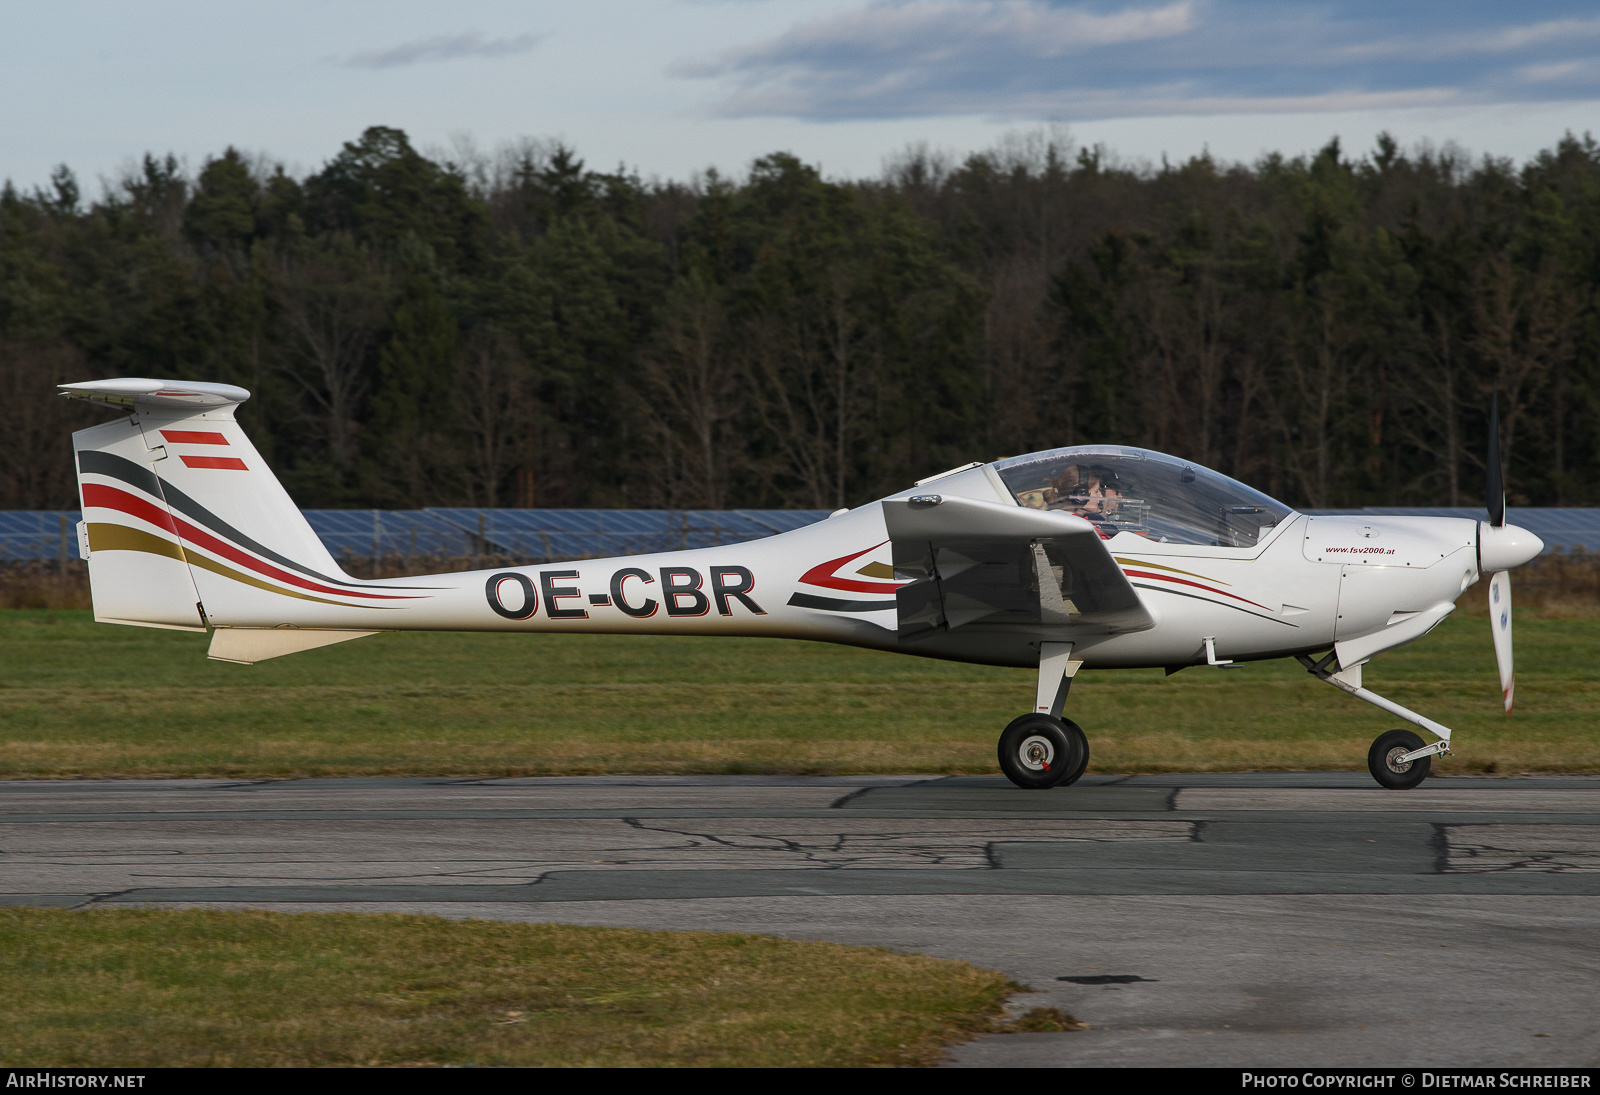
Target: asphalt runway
[(1295, 919)]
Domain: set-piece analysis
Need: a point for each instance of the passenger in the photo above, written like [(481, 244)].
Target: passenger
[(1085, 491), (1060, 492)]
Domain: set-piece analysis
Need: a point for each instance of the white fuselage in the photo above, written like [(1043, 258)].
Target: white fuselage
[(1309, 583)]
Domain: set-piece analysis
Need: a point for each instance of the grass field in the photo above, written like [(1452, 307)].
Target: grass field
[(79, 699), (150, 988)]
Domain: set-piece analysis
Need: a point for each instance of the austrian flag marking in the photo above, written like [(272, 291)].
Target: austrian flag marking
[(222, 463), (194, 437), (203, 437)]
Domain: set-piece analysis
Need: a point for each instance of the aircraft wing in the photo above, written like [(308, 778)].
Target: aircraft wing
[(982, 564)]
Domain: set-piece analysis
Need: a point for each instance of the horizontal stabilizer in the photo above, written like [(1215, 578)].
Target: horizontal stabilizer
[(248, 645), (129, 392)]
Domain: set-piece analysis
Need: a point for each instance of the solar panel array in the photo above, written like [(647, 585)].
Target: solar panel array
[(543, 535), (548, 535), (38, 534), (408, 533)]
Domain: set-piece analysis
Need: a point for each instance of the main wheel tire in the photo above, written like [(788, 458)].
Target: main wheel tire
[(1075, 732), (1383, 760), (1037, 752)]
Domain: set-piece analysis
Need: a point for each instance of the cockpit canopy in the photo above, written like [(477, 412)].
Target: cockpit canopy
[(1144, 493)]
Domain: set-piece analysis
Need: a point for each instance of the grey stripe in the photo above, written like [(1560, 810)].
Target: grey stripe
[(116, 467)]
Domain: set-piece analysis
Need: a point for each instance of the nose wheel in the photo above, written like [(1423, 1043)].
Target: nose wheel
[(1039, 751), (1385, 763)]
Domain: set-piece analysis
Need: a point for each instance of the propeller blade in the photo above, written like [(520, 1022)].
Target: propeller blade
[(1500, 621), (1495, 487)]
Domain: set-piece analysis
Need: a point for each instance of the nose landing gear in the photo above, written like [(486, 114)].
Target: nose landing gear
[(1387, 762), (1398, 760)]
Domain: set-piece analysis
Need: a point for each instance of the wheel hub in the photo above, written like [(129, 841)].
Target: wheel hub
[(1036, 753), (1393, 761)]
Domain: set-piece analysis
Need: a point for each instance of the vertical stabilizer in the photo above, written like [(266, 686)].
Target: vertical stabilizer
[(186, 525)]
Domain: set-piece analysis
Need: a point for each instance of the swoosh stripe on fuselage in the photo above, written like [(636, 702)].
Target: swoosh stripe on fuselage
[(116, 467), (1209, 601), (104, 536), (1196, 585), (834, 604), (94, 494)]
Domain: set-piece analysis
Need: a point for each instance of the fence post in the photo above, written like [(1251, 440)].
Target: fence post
[(482, 545), (377, 538)]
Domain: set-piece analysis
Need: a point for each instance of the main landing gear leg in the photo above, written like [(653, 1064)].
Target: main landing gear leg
[(1042, 749), (1398, 759)]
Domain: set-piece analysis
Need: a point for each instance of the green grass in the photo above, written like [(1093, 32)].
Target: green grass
[(151, 988), (93, 700)]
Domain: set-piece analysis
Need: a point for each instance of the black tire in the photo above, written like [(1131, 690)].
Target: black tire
[(1075, 732), (1384, 768), (1036, 752)]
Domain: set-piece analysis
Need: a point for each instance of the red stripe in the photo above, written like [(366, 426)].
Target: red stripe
[(225, 463), (112, 498), (193, 437), (1197, 585), (823, 575)]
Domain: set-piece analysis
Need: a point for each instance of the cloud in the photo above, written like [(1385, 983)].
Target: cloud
[(1559, 70), (442, 47), (1496, 40), (1510, 39), (1048, 59), (936, 31)]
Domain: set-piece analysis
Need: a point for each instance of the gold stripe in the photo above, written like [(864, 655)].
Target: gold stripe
[(228, 572), (1158, 566), (106, 537)]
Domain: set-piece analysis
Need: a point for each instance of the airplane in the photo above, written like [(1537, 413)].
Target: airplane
[(1091, 556)]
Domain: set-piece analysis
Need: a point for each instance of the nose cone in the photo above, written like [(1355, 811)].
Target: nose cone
[(1505, 547)]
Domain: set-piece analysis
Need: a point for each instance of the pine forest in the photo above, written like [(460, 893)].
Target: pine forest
[(515, 328)]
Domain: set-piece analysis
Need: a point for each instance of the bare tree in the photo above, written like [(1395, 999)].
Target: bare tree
[(38, 471), (1311, 396), (1525, 322), (813, 373), (1431, 419), (691, 388), (494, 402), (332, 303)]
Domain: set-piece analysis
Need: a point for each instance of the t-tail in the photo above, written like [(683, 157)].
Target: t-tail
[(185, 527)]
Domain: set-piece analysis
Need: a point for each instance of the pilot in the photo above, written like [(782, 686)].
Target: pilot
[(1102, 498), (1066, 489), (1085, 490)]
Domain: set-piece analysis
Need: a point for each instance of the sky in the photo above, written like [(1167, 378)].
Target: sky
[(671, 87)]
